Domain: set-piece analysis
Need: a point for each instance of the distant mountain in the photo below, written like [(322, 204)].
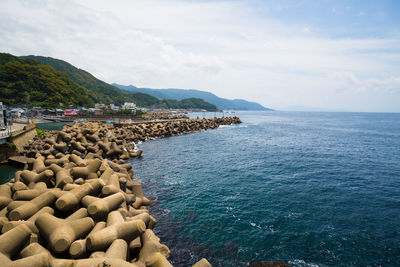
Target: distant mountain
[(179, 94)]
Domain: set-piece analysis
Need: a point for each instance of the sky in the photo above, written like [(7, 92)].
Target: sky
[(337, 55)]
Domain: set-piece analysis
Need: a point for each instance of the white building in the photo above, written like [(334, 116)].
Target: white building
[(99, 106), (17, 112), (129, 106), (114, 107), (4, 132)]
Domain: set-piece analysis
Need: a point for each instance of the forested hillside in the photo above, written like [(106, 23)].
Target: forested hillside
[(24, 81), (49, 83)]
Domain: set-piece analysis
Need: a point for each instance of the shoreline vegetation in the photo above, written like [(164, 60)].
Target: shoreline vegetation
[(76, 201)]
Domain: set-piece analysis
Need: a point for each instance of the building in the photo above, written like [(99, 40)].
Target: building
[(70, 112), (3, 116), (96, 111), (4, 132), (17, 112), (142, 109), (129, 106), (97, 106), (113, 107)]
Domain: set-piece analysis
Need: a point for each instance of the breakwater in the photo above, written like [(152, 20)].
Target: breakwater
[(75, 202)]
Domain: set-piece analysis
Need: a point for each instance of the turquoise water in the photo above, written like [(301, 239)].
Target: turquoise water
[(52, 125), (312, 189), (7, 172)]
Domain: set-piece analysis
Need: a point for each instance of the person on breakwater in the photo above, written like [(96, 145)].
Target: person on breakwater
[(75, 201)]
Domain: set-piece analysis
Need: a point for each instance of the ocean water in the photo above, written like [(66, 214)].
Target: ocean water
[(7, 172), (311, 189), (52, 125)]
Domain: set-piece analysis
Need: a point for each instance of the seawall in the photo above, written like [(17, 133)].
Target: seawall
[(76, 201), (17, 141)]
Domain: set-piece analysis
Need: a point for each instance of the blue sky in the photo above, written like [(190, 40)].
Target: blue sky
[(310, 55), (337, 19)]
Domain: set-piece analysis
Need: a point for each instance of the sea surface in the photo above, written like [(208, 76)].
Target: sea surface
[(52, 125), (311, 189), (7, 172)]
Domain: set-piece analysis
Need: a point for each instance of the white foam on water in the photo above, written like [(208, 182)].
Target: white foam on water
[(165, 211), (301, 263)]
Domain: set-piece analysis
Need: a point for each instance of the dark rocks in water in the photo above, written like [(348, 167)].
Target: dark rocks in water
[(267, 264)]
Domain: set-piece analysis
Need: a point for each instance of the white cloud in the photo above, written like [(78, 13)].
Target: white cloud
[(222, 46), (361, 14)]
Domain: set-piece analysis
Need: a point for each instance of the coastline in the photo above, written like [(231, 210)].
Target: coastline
[(69, 180)]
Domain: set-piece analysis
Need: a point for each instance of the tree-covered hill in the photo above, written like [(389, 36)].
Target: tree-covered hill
[(103, 92), (188, 103), (47, 82), (27, 82)]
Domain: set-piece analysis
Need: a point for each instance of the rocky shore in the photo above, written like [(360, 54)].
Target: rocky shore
[(76, 203)]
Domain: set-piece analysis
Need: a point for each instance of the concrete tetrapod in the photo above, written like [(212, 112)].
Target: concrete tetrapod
[(78, 214), (19, 186), (59, 161), (141, 200), (61, 233), (28, 209), (88, 172), (134, 247), (5, 195), (97, 261), (13, 240), (103, 238), (115, 217), (118, 250), (150, 246), (77, 160), (149, 220), (30, 194), (38, 260), (38, 164), (15, 204), (62, 176), (100, 208), (89, 143), (33, 177), (158, 260), (78, 247), (105, 176), (72, 198), (33, 249), (112, 186), (202, 263), (30, 222)]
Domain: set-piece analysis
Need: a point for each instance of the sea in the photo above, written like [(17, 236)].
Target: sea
[(306, 188)]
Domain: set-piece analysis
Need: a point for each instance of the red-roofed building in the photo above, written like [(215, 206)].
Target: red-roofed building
[(70, 112)]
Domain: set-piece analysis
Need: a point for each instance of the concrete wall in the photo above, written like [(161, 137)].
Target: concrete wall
[(22, 138), (6, 151)]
